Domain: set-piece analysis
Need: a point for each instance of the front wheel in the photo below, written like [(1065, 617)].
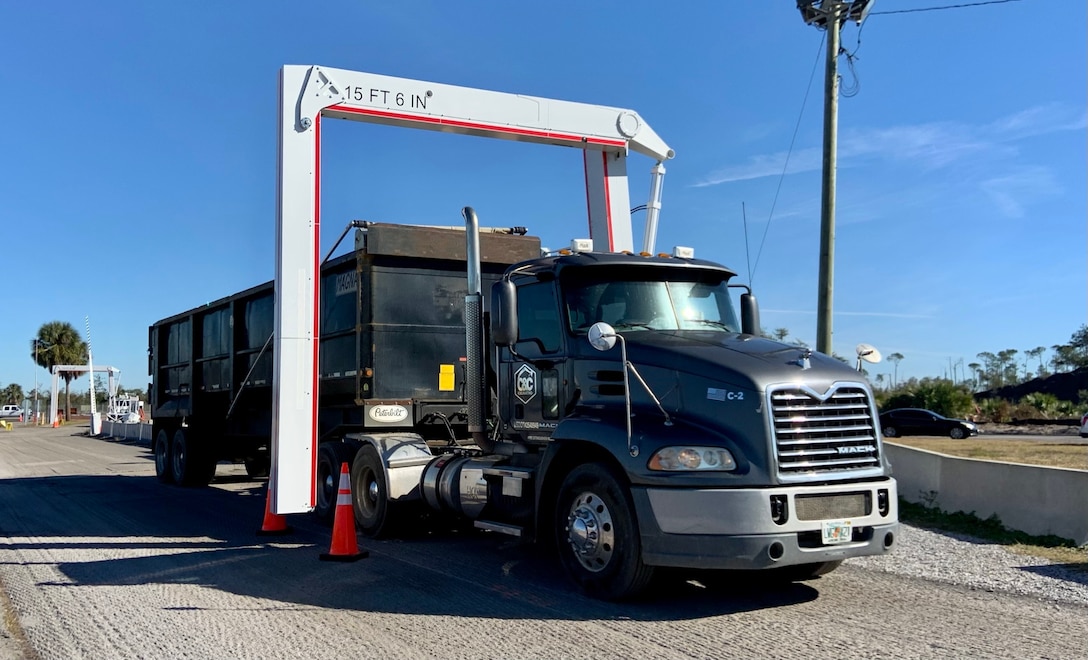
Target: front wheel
[(957, 433), (597, 535), (890, 431)]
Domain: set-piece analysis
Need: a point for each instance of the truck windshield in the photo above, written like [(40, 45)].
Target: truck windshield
[(650, 305)]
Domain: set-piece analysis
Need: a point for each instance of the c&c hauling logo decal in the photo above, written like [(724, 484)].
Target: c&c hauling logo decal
[(525, 383)]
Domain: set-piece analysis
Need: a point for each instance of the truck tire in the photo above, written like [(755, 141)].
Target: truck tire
[(369, 494), (597, 536), (161, 448), (189, 465), (330, 456)]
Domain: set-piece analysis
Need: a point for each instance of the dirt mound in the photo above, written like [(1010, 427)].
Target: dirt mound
[(1065, 386), (1027, 429)]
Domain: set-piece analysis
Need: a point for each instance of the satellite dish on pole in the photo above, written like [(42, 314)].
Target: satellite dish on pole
[(869, 353)]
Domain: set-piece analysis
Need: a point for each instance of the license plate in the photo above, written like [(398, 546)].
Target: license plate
[(837, 531)]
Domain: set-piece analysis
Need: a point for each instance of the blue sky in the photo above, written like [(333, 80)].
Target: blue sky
[(139, 156)]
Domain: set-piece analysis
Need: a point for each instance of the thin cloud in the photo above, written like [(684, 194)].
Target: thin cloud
[(1011, 192), (934, 144), (757, 167), (1050, 118)]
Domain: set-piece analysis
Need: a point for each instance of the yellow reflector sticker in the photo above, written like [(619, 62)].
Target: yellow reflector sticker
[(445, 378)]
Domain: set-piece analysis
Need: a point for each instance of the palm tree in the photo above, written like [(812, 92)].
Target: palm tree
[(59, 343), (896, 358), (12, 394)]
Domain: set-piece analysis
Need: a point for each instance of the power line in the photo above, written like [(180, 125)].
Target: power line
[(962, 6), (785, 165)]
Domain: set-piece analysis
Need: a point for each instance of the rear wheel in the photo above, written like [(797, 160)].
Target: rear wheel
[(957, 433), (891, 431), (189, 464), (369, 494), (162, 457), (330, 456), (597, 535)]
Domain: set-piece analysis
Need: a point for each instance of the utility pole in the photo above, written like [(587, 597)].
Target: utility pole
[(830, 15), (827, 184), (35, 343)]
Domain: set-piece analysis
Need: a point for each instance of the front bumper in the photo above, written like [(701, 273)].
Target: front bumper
[(733, 529)]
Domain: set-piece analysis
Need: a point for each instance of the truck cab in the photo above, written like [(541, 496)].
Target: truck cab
[(685, 440)]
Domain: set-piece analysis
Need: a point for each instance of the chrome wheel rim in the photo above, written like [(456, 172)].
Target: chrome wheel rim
[(590, 532)]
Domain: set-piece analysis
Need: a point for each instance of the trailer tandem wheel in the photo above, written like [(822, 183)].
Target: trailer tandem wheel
[(161, 449), (190, 464), (330, 456)]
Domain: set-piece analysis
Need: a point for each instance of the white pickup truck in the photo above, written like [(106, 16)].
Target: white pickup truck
[(10, 410)]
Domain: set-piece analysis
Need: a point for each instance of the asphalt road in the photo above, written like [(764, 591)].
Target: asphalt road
[(99, 560)]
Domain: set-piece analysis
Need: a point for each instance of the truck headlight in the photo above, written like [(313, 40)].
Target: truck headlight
[(682, 459)]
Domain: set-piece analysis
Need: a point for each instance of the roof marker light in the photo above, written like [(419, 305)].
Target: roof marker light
[(579, 245), (681, 252)]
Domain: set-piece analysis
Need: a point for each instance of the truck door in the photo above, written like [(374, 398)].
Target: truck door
[(533, 389)]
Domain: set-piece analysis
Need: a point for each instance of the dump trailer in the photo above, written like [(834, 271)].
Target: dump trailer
[(614, 404)]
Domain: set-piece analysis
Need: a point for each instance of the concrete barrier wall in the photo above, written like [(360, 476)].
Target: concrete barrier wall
[(139, 432), (1029, 498)]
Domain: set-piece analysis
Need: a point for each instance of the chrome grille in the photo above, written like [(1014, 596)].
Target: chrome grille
[(832, 433)]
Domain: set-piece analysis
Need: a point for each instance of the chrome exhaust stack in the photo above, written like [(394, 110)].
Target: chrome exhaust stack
[(476, 384)]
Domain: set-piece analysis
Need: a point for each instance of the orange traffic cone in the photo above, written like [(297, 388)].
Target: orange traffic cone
[(345, 546), (274, 524)]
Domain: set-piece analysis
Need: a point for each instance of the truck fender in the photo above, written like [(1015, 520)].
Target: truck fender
[(607, 431), (404, 456), (577, 440)]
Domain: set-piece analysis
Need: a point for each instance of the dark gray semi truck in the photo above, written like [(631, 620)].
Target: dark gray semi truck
[(616, 405)]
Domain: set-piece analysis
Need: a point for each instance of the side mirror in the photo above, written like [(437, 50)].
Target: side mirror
[(504, 313), (602, 336), (749, 314)]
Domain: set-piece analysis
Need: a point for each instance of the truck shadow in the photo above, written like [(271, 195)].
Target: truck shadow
[(136, 531)]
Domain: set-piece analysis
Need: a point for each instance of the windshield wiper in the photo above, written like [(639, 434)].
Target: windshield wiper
[(635, 324), (712, 322)]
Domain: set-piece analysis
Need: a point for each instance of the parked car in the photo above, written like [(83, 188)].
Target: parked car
[(10, 410), (915, 421), (1084, 426)]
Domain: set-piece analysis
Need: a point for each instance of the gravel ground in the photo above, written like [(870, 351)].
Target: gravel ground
[(981, 565)]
